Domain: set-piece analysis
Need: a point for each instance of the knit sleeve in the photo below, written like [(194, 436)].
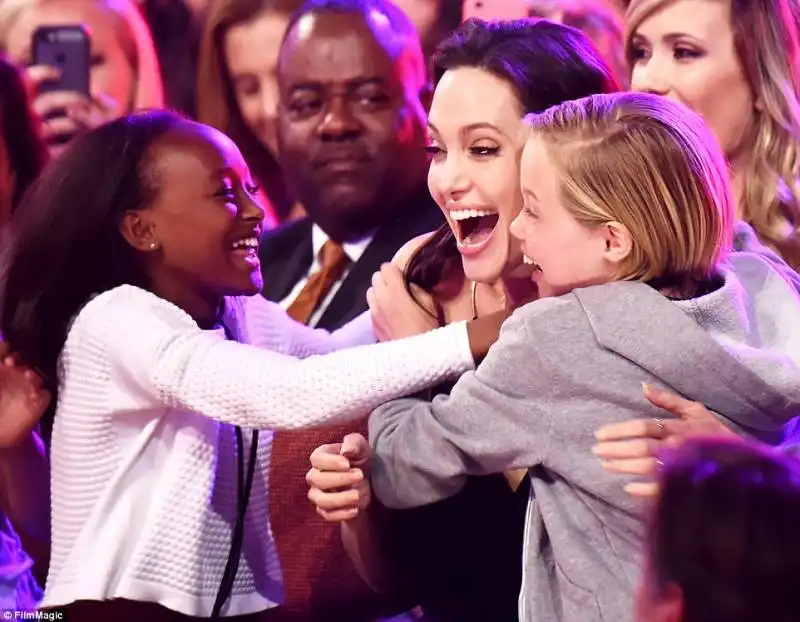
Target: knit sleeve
[(161, 352), (268, 326)]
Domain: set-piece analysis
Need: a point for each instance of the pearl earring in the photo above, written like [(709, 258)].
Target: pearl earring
[(152, 245)]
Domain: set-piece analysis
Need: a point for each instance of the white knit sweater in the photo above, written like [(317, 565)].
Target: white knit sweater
[(144, 454)]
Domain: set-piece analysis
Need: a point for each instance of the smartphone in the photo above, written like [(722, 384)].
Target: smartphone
[(494, 9), (68, 49)]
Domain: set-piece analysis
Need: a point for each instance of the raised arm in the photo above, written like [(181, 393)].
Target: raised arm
[(175, 363)]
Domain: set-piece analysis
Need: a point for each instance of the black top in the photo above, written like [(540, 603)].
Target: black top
[(462, 557)]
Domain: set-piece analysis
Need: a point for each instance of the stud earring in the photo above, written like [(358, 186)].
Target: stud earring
[(152, 245)]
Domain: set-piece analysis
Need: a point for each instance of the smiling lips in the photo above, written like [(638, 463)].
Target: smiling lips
[(247, 250)]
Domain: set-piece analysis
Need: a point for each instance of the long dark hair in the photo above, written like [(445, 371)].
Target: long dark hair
[(546, 63), (65, 241), (724, 531), (19, 130)]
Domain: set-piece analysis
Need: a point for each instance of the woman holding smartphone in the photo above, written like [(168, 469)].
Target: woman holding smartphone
[(121, 62)]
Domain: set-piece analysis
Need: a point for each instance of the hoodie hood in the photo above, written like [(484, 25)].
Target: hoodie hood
[(755, 317), (736, 349)]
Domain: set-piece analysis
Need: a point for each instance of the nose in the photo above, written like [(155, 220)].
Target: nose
[(650, 77), (253, 210), (516, 228), (339, 122), (449, 177)]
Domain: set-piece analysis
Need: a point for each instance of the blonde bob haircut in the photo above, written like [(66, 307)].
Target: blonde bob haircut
[(765, 34), (651, 165)]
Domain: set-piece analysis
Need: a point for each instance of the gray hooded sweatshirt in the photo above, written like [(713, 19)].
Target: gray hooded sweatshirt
[(562, 368)]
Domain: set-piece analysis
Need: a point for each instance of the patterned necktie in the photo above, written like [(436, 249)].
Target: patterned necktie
[(333, 261)]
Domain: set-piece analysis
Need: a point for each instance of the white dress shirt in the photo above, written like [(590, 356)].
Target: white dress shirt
[(353, 250)]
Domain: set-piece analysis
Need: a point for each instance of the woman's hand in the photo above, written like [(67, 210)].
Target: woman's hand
[(66, 114), (632, 447), (339, 478), (395, 314), (23, 400)]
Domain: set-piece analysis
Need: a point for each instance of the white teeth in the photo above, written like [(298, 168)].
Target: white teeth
[(530, 262), (464, 214), (246, 243)]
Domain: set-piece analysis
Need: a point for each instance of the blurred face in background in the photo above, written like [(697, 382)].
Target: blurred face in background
[(351, 123), (251, 54), (685, 50), (494, 9), (598, 19), (111, 71), (424, 14)]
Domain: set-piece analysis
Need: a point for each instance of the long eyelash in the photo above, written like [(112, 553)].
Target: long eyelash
[(224, 192)]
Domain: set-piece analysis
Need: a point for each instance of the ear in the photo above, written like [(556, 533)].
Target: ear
[(670, 605), (426, 97), (138, 229), (617, 240)]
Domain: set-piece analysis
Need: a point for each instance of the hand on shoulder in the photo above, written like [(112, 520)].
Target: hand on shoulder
[(396, 312)]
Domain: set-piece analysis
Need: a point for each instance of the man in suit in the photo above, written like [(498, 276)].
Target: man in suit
[(351, 128)]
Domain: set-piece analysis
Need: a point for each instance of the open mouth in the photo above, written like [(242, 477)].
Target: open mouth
[(247, 250), (530, 262), (474, 227)]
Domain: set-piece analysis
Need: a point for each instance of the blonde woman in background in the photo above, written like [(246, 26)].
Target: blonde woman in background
[(737, 64), (125, 74), (237, 86)]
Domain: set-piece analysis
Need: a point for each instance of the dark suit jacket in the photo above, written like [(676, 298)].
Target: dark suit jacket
[(286, 256)]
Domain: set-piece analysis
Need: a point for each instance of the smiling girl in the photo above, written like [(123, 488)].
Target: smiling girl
[(159, 495), (737, 64)]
